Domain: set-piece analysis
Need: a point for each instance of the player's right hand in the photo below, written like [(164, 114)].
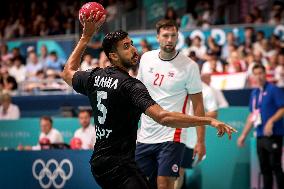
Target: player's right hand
[(223, 128), (91, 26)]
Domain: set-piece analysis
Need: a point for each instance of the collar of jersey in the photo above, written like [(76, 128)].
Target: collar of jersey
[(170, 58)]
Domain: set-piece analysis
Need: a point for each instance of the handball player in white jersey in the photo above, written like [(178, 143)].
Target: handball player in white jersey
[(171, 79)]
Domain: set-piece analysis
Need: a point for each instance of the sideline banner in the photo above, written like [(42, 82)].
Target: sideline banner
[(26, 131), (46, 169)]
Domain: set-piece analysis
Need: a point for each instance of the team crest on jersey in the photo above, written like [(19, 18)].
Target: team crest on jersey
[(171, 74), (151, 70), (175, 168)]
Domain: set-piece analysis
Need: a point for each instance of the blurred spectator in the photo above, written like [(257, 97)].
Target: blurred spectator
[(87, 132), (171, 14), (103, 60), (54, 62), (17, 55), (33, 65), (48, 135), (219, 96), (187, 21), (271, 64), (43, 55), (247, 45), (8, 111), (7, 83), (212, 65), (275, 43), (145, 46), (5, 55), (197, 47), (193, 56), (47, 130), (129, 5), (276, 14), (55, 27), (204, 14), (213, 46), (235, 63), (279, 71), (112, 10), (230, 43), (18, 70), (88, 62), (95, 46), (257, 16)]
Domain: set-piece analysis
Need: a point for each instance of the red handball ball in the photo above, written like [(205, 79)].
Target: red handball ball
[(91, 6)]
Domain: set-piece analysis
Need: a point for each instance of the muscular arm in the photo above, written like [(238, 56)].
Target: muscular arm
[(180, 120), (73, 62), (175, 119)]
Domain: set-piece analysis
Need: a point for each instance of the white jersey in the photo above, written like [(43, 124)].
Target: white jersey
[(210, 105), (169, 82)]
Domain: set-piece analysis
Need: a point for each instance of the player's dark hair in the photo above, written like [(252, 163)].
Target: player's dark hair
[(165, 23), (48, 118), (111, 39), (257, 66)]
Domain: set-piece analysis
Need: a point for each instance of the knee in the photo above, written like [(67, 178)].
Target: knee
[(165, 183), (163, 186)]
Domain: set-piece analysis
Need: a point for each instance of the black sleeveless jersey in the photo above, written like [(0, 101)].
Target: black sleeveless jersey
[(117, 101)]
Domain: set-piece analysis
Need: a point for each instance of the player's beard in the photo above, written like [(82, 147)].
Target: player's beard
[(168, 49), (132, 62), (127, 64)]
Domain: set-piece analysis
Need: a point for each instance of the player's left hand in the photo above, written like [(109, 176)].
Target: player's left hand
[(268, 129), (199, 150), (91, 26)]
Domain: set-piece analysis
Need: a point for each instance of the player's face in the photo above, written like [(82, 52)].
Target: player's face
[(127, 53), (84, 119), (167, 38), (259, 76)]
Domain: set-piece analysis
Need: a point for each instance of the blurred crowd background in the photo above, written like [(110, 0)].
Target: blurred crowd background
[(35, 69), (225, 37)]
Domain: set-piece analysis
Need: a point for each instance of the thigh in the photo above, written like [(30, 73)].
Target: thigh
[(134, 179), (169, 159), (126, 176), (146, 159)]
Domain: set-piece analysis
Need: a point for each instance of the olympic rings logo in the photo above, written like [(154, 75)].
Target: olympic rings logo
[(52, 173)]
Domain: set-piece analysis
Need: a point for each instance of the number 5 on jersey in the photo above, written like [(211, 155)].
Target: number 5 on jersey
[(101, 95)]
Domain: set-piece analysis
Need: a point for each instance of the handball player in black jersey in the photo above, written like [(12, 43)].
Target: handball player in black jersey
[(118, 100)]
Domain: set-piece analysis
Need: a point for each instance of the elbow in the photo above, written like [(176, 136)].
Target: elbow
[(64, 74), (164, 118)]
